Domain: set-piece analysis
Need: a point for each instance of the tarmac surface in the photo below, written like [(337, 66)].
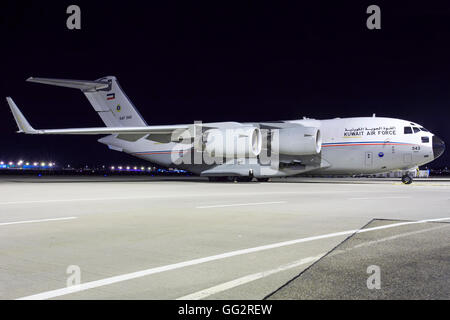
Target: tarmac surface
[(413, 264), (186, 238)]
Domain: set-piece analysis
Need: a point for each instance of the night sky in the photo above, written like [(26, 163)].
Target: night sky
[(221, 61)]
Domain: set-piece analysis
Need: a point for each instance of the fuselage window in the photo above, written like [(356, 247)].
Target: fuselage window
[(408, 130), (416, 129), (425, 139)]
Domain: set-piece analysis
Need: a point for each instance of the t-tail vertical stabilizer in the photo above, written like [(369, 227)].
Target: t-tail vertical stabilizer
[(106, 96)]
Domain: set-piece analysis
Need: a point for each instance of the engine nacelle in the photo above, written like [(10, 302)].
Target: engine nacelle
[(243, 142), (298, 141)]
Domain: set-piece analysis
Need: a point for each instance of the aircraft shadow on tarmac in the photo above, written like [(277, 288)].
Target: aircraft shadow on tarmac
[(412, 262)]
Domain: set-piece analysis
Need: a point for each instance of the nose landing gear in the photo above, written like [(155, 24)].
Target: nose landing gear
[(407, 179)]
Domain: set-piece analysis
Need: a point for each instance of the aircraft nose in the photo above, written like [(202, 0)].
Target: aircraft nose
[(438, 147)]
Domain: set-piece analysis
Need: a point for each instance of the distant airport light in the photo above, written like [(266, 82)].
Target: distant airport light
[(112, 168), (142, 168), (120, 167), (1, 162), (20, 162), (50, 164), (42, 164), (35, 164), (128, 168), (27, 164), (11, 163)]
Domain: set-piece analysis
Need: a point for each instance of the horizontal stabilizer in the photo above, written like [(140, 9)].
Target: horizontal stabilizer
[(89, 86)]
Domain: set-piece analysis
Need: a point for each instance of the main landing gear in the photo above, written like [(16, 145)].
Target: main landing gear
[(236, 179), (248, 178), (407, 179)]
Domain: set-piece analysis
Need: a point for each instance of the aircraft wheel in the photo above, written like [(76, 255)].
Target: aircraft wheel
[(406, 179), (262, 179)]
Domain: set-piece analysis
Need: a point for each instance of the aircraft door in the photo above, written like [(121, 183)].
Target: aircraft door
[(368, 160)]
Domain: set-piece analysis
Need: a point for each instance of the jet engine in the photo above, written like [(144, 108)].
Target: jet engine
[(234, 142), (298, 141)]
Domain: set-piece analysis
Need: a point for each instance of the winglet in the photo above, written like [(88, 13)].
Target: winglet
[(21, 121)]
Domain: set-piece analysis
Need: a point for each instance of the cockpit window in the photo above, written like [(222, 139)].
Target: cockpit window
[(408, 130), (423, 129), (416, 129)]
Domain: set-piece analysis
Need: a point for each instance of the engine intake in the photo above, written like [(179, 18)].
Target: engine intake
[(236, 142), (298, 141)]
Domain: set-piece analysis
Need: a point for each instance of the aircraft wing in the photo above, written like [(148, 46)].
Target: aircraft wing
[(25, 127)]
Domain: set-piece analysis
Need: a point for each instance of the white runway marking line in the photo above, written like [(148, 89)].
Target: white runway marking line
[(398, 236), (380, 198), (147, 272), (240, 204), (70, 200), (34, 221), (246, 279), (187, 195), (256, 276)]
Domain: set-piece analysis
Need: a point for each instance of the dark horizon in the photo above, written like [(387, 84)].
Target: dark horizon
[(252, 61)]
